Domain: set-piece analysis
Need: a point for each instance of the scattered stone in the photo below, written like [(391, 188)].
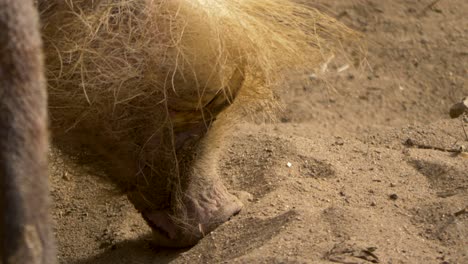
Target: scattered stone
[(459, 108), (66, 176), (393, 196)]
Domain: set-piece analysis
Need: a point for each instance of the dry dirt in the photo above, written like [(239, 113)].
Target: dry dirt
[(354, 193)]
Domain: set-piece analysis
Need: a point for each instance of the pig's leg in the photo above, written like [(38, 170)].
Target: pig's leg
[(25, 231)]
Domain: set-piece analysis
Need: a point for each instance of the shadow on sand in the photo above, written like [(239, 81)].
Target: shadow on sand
[(133, 252)]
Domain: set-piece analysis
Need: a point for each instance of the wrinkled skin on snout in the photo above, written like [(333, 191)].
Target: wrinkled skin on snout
[(205, 204)]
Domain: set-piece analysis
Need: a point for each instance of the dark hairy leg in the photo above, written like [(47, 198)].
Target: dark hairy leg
[(25, 230)]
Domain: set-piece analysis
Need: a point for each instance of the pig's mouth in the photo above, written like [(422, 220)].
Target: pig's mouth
[(201, 216), (162, 224), (168, 232)]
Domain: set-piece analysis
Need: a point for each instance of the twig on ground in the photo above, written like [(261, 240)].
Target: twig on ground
[(411, 143)]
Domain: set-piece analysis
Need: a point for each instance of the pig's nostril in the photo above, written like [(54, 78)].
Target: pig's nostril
[(234, 214)]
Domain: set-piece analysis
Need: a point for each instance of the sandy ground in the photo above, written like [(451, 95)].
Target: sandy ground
[(354, 193)]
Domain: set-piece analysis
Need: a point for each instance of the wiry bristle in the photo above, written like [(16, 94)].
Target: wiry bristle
[(137, 70), (147, 52)]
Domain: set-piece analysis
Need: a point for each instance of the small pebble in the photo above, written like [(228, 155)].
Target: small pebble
[(65, 176)]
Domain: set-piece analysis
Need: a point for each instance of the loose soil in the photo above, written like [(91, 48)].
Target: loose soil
[(360, 168)]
